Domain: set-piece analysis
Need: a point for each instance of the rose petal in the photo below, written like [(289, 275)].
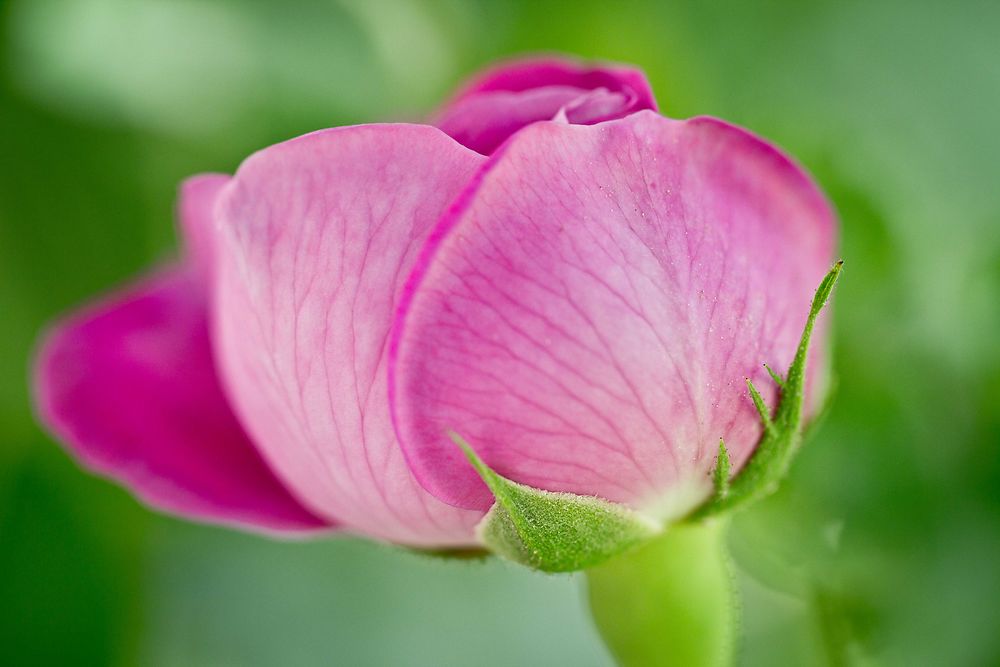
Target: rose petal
[(593, 107), (318, 235), (129, 385), (530, 73), (195, 213), (483, 122), (505, 99), (589, 309)]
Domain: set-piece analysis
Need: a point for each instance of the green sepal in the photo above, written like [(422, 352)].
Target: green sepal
[(778, 380), (758, 402), (554, 532), (720, 474), (782, 432)]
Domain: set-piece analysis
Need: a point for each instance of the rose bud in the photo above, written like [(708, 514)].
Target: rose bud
[(580, 309)]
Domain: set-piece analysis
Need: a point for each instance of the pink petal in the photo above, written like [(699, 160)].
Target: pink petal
[(586, 314), (318, 235), (505, 99), (196, 205), (129, 384)]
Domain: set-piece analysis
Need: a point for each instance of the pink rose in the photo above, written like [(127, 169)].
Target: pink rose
[(582, 305)]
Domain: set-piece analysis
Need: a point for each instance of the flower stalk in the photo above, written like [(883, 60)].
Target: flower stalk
[(670, 603)]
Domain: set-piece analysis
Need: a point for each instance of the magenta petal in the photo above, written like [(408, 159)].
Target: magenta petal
[(129, 385), (588, 311), (530, 73), (317, 237), (505, 99), (483, 122)]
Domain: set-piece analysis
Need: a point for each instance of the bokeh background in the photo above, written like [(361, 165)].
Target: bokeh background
[(884, 546)]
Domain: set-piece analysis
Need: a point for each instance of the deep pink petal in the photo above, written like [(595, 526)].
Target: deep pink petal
[(529, 73), (483, 122), (129, 385), (318, 235), (505, 99), (588, 311)]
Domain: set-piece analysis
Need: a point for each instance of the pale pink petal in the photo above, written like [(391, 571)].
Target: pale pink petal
[(195, 213), (586, 314), (595, 106), (317, 237), (505, 99), (129, 385)]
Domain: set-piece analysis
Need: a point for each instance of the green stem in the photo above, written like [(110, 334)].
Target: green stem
[(670, 603)]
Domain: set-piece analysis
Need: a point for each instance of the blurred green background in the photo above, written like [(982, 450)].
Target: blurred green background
[(883, 548)]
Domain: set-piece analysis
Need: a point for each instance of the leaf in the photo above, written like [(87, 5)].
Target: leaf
[(554, 532), (782, 432)]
